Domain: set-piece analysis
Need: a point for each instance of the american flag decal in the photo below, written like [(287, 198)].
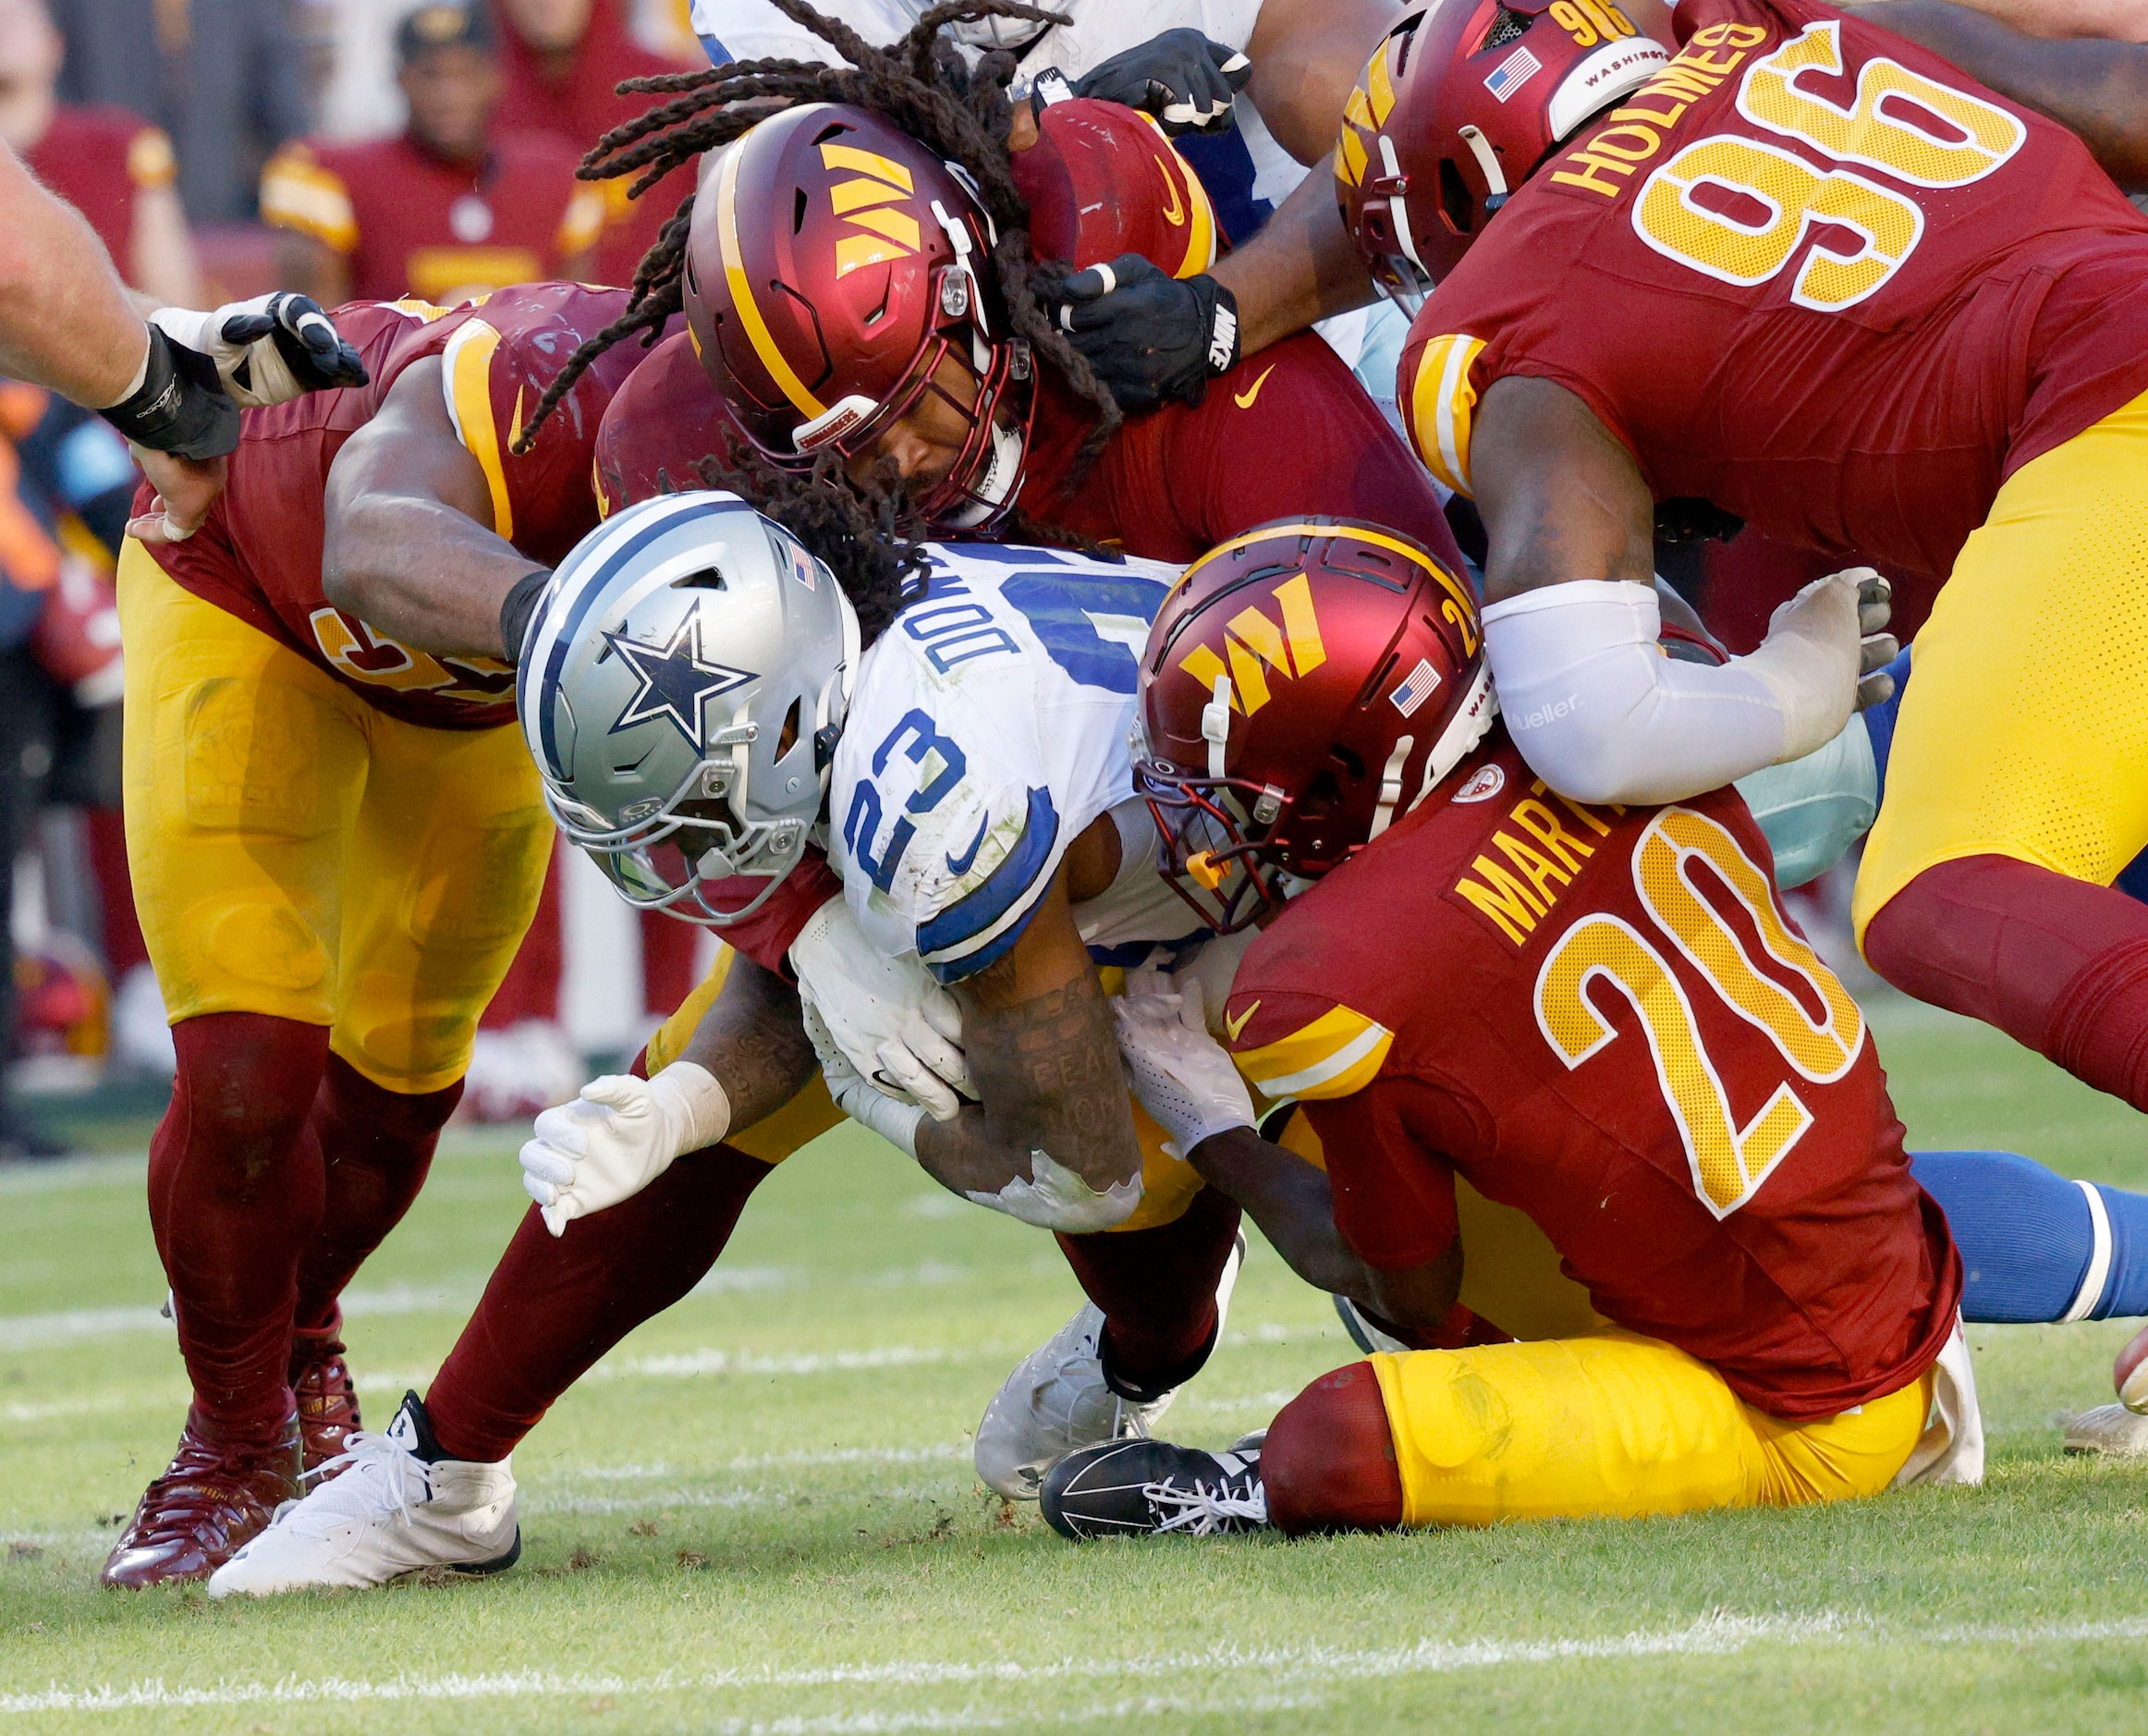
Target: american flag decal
[(1417, 689), (1512, 73)]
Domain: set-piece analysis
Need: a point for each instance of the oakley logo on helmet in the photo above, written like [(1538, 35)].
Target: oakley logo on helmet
[(1257, 645), (675, 681), (866, 204)]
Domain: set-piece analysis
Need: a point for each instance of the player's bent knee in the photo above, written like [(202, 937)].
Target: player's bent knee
[(249, 1082), (1329, 1463)]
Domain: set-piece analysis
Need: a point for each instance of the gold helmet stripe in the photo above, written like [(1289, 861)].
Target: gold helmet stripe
[(757, 332)]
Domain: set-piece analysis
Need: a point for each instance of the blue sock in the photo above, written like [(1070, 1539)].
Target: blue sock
[(2034, 1245)]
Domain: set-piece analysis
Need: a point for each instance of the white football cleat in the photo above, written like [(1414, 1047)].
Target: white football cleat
[(1056, 1401), (390, 1506), (2109, 1429)]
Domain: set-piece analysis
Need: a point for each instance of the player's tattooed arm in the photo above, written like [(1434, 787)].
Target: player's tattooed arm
[(409, 543), (1042, 1048), (1289, 1199), (753, 1040), (2096, 88)]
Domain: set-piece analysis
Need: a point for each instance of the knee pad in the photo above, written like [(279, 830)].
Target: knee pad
[(1328, 1463)]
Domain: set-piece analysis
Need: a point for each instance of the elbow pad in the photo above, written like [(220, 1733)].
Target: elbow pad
[(1811, 810), (1602, 715)]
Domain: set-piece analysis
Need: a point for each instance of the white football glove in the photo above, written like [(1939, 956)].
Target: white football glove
[(1057, 1198), (1184, 1079), (267, 351), (618, 1137), (894, 1119), (898, 1029)]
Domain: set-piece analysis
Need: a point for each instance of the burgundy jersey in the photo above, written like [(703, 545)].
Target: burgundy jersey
[(1604, 1017), (406, 223), (1288, 431), (259, 555), (99, 160), (1811, 273)]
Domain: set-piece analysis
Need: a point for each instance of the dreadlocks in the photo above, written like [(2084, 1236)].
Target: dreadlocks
[(856, 530), (918, 84)]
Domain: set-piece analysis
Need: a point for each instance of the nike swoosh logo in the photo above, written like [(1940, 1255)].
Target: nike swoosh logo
[(1233, 1026), (1174, 213), (959, 865), (1244, 399)]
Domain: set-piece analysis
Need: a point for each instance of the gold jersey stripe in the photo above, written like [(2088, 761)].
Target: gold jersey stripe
[(467, 364), (1442, 402), (584, 222), (297, 193), (1338, 1053)]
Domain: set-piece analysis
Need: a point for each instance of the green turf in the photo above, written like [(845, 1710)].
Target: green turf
[(759, 1514)]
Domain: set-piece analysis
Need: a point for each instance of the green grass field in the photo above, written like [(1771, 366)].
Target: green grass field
[(759, 1512)]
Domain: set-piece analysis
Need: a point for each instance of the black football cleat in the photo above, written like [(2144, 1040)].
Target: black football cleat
[(1147, 1487)]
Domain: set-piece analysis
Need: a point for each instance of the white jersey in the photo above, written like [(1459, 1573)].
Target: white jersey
[(989, 729), (1246, 172)]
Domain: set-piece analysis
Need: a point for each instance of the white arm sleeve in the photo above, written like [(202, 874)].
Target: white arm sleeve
[(1602, 715)]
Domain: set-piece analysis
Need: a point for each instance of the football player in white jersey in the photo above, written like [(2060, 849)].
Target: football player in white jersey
[(693, 690)]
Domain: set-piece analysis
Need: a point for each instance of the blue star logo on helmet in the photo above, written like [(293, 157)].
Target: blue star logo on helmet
[(677, 681)]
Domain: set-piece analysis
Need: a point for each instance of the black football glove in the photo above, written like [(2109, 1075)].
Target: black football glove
[(1182, 78), (267, 351), (1151, 337)]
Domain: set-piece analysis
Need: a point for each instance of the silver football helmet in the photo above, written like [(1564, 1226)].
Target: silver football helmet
[(682, 689)]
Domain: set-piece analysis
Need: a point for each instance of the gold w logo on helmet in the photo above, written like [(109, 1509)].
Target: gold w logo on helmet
[(1257, 647), (1368, 108), (872, 203)]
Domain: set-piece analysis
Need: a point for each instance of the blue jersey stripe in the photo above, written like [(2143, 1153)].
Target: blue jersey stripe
[(947, 943)]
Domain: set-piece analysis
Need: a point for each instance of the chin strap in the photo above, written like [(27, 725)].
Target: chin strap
[(1216, 725)]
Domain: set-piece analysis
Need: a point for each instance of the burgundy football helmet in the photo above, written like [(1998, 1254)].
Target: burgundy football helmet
[(1306, 684), (1458, 106), (835, 278)]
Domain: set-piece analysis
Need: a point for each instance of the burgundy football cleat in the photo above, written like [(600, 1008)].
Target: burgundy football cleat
[(327, 1396), (209, 1502)]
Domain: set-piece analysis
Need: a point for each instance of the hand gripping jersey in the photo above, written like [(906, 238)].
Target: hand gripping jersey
[(988, 729), (258, 555), (1810, 273), (1604, 1017)]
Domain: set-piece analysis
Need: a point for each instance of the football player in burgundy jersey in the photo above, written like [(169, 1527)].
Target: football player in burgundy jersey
[(336, 840), (1598, 1014), (1908, 318), (1100, 180)]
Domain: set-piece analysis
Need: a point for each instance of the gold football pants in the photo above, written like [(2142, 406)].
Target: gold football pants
[(299, 853), (1614, 1425), (2025, 730)]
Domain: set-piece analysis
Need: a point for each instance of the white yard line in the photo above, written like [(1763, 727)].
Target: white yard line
[(1305, 1668)]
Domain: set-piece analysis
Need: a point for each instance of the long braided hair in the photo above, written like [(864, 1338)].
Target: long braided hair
[(918, 84), (857, 529)]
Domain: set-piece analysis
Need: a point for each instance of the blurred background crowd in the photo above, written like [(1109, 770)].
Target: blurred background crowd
[(222, 148)]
